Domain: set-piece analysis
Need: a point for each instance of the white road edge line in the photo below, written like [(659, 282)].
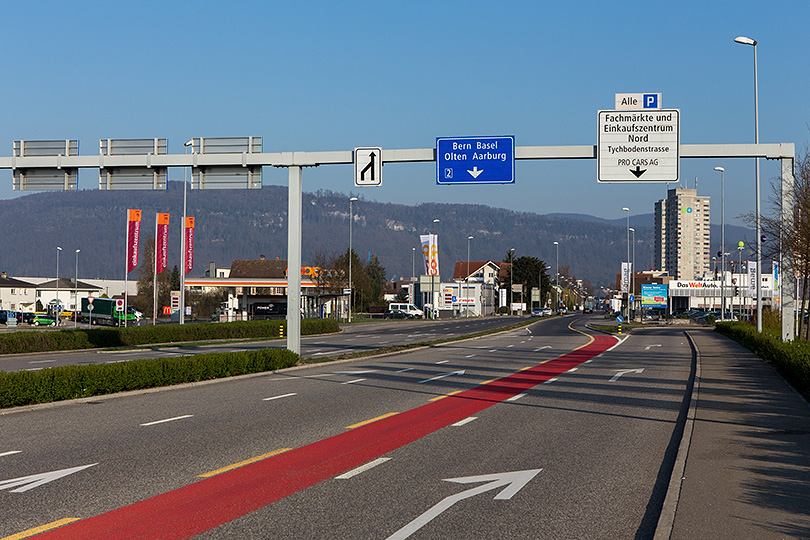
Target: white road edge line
[(279, 397), (362, 468), (465, 421)]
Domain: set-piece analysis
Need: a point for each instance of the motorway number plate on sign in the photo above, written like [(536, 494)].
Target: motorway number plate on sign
[(638, 146)]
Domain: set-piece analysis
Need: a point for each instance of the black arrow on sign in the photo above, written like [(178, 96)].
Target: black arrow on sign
[(638, 172), (369, 167)]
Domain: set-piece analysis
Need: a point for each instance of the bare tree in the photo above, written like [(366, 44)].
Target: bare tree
[(791, 234)]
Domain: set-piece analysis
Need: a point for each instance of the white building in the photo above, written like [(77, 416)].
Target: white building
[(682, 234)]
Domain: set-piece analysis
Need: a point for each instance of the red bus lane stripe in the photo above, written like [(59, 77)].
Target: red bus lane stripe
[(201, 506)]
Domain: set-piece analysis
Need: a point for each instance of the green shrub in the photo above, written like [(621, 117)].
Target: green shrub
[(70, 382), (791, 360), (88, 338)]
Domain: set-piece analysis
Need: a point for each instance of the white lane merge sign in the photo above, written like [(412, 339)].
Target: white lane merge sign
[(638, 146)]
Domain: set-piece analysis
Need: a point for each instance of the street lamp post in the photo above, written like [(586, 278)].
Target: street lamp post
[(740, 246), (625, 209), (433, 292), (351, 288), (411, 294), (76, 290), (466, 292), (633, 266), (748, 41), (58, 249), (182, 318), (511, 276), (557, 280), (722, 172)]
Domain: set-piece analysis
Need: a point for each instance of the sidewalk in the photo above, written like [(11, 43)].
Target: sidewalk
[(747, 470)]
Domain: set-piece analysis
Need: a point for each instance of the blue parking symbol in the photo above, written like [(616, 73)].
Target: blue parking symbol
[(650, 101)]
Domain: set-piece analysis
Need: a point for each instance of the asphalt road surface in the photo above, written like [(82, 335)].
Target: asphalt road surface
[(353, 338), (550, 431)]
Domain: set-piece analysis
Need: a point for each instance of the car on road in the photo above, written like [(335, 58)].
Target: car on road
[(42, 320), (537, 312), (397, 314)]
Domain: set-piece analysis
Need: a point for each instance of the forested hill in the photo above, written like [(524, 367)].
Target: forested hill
[(242, 224)]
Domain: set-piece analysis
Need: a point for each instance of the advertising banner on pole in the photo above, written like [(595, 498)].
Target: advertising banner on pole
[(161, 243), (752, 278), (133, 238), (189, 255), (626, 269), (430, 252)]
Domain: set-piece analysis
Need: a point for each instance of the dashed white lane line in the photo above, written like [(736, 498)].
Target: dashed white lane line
[(167, 420), (465, 421), (550, 380), (442, 362), (279, 397), (10, 453), (515, 398), (362, 468), (354, 381), (406, 369)]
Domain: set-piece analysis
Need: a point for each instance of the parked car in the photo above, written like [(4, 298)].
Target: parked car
[(410, 309), (397, 314), (43, 320), (28, 317), (7, 316), (537, 312)]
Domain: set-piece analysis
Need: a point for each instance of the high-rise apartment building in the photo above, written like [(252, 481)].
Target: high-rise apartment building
[(682, 234)]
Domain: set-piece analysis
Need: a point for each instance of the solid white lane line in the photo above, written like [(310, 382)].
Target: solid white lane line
[(10, 453), (167, 420), (279, 397), (465, 421), (515, 398), (354, 381), (362, 468)]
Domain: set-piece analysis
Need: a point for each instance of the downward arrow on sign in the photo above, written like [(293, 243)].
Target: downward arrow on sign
[(512, 482), (36, 480), (475, 172), (638, 172)]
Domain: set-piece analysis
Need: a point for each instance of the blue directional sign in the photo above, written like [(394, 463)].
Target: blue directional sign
[(475, 160)]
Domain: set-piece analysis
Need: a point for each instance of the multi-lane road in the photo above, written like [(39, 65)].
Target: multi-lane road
[(549, 431)]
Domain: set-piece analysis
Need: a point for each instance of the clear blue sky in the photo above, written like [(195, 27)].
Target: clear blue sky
[(311, 76)]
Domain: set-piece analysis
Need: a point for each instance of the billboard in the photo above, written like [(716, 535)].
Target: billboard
[(654, 296)]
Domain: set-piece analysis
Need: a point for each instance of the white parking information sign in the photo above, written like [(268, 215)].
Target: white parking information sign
[(638, 146)]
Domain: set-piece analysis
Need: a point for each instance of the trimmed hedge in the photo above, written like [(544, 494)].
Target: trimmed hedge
[(71, 382), (791, 360), (90, 338)]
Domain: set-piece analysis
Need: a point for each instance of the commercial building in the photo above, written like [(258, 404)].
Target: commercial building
[(682, 234)]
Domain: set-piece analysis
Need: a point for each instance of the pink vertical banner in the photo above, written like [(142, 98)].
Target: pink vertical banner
[(162, 243), (133, 239), (189, 256)]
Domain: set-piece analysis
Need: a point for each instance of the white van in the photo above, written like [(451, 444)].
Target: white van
[(409, 310)]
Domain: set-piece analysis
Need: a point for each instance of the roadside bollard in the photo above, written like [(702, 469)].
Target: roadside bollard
[(620, 329)]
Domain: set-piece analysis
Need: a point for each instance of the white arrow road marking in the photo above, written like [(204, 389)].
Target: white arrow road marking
[(442, 376), (36, 480), (620, 372), (512, 482), (10, 453), (648, 347), (475, 172)]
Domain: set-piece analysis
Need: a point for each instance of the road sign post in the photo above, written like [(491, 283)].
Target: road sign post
[(638, 146), (475, 160)]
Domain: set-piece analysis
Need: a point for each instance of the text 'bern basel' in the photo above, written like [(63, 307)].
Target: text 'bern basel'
[(481, 151)]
